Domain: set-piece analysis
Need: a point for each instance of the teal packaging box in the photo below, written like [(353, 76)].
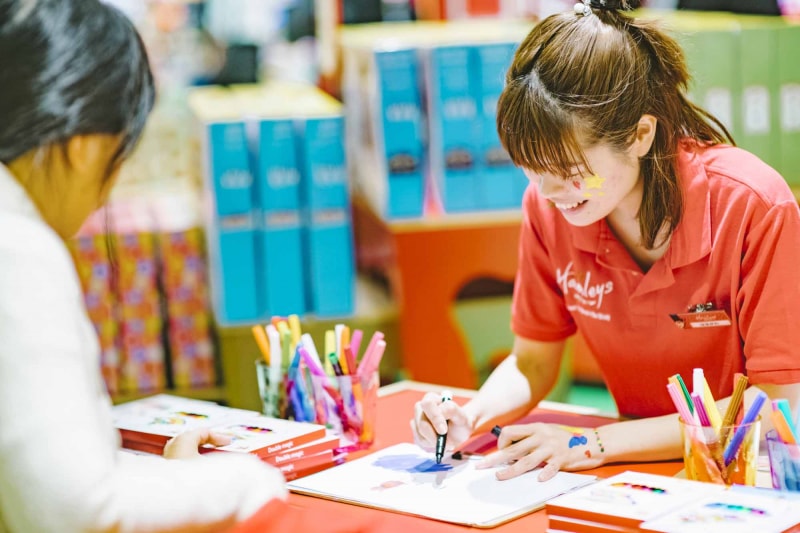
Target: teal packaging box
[(789, 101), (280, 230), (326, 212), (500, 183), (454, 126), (230, 226), (400, 115)]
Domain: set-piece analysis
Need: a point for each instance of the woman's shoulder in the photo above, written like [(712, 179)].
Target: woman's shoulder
[(733, 170)]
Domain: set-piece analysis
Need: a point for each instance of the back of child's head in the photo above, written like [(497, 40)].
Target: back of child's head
[(67, 68)]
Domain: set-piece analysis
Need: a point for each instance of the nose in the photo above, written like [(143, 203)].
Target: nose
[(549, 185)]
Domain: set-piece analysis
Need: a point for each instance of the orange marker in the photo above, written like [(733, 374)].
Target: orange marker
[(262, 341)]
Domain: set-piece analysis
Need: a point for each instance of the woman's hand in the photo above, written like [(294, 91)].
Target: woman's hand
[(558, 447), (432, 416), (186, 445)]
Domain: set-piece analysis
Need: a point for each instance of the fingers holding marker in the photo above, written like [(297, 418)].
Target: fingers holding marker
[(441, 435), (431, 406)]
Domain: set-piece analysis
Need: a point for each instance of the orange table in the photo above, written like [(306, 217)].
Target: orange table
[(395, 407), (427, 262)]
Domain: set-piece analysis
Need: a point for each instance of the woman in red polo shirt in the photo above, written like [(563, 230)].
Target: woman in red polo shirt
[(638, 211)]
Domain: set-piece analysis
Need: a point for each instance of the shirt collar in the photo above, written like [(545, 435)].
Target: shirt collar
[(691, 240)]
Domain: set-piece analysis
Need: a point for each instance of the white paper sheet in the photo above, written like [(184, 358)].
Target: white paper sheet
[(406, 479)]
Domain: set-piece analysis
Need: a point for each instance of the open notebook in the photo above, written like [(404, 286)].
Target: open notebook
[(404, 478)]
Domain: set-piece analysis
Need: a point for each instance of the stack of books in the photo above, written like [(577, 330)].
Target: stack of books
[(296, 448), (633, 502)]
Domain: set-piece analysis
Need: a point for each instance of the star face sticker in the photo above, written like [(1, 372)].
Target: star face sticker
[(594, 182)]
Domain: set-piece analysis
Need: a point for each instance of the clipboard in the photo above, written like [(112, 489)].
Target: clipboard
[(405, 479)]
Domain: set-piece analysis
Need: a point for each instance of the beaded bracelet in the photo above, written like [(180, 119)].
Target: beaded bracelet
[(599, 442)]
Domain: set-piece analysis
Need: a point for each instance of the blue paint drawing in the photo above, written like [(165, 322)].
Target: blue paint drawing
[(412, 464), (577, 440)]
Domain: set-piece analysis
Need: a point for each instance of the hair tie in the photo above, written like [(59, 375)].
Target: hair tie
[(606, 4), (584, 7)]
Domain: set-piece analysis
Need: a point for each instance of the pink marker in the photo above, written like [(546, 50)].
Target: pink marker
[(368, 353)]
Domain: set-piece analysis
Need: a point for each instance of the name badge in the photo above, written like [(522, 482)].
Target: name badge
[(701, 316)]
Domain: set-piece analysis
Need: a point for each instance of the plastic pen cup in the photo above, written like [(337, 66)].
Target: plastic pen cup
[(784, 463), (274, 401), (704, 453), (347, 405)]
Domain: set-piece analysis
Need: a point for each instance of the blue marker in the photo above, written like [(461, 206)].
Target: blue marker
[(738, 436)]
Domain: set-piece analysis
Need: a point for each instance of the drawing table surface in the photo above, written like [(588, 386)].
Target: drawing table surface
[(395, 408)]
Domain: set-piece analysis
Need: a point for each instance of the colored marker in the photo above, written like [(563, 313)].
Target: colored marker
[(441, 438), (750, 416)]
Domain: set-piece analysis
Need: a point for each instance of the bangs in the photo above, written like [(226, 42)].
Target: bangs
[(535, 131)]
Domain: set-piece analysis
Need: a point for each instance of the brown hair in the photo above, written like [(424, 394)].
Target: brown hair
[(590, 78)]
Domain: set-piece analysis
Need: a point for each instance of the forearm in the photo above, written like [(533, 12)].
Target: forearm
[(659, 438), (512, 390)]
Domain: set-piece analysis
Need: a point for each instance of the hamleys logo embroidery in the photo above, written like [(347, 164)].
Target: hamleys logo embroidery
[(582, 291)]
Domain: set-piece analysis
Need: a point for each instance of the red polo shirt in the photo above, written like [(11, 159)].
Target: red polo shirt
[(737, 246)]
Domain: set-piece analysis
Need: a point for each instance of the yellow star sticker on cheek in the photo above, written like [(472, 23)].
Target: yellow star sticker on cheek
[(594, 182)]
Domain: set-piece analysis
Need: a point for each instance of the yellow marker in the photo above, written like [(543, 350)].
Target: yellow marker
[(294, 327), (711, 407), (344, 342), (263, 342), (330, 348), (286, 343)]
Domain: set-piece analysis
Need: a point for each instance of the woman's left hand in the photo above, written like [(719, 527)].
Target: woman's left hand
[(555, 447)]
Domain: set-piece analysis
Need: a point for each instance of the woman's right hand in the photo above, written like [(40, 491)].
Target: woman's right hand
[(433, 416)]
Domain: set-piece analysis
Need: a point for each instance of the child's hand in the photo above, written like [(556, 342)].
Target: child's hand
[(185, 445)]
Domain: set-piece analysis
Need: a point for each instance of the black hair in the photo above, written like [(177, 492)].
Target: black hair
[(70, 67)]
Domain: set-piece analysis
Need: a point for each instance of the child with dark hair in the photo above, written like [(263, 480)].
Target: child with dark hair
[(640, 211), (75, 92)]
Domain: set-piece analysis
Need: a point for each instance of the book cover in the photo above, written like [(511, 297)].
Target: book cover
[(302, 472), (629, 499), (577, 525), (287, 454), (156, 419), (734, 510), (307, 462)]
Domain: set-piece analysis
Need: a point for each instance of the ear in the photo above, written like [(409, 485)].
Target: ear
[(90, 155), (644, 136)]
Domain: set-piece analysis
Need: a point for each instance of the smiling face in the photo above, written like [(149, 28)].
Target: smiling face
[(607, 183)]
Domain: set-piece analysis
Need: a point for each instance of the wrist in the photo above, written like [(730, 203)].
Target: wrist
[(471, 416), (599, 448)]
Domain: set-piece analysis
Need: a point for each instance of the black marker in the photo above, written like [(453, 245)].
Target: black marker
[(441, 438), (496, 431)]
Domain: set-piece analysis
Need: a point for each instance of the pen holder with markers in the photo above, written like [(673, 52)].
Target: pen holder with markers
[(347, 405), (336, 386), (784, 462), (726, 456)]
